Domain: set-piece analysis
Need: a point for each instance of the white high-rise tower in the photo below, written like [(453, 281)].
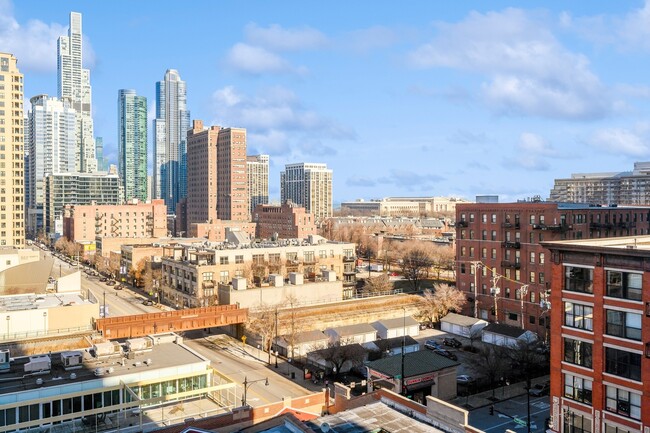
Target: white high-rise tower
[(170, 139), (74, 84)]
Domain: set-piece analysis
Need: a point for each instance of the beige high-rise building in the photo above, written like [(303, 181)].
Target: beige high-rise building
[(202, 173), (258, 180), (12, 193), (232, 182), (309, 185)]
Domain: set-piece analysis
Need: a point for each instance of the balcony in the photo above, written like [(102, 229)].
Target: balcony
[(510, 264), (509, 225), (461, 223), (552, 227), (510, 244), (625, 225), (347, 259), (598, 226)]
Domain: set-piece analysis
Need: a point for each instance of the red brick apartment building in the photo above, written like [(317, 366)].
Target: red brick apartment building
[(600, 335), (504, 239), (289, 221)]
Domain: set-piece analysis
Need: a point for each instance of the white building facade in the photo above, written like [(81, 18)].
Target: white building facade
[(308, 185)]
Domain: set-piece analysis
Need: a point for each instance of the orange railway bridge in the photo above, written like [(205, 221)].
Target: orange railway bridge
[(140, 325)]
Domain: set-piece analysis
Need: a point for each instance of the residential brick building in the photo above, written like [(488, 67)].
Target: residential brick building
[(504, 239), (131, 220), (191, 273), (288, 221), (600, 342)]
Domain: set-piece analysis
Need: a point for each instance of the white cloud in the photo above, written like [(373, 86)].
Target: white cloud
[(529, 71), (276, 117), (34, 42), (277, 38), (364, 40), (619, 141), (255, 60), (532, 152)]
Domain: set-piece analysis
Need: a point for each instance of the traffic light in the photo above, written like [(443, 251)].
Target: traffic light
[(491, 409)]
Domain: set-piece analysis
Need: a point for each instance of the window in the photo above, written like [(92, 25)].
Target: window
[(223, 276), (494, 218), (541, 278), (471, 251), (239, 260), (609, 428), (513, 316), (484, 218), (494, 235), (471, 217), (532, 277), (494, 253), (532, 257), (623, 402), (463, 251), (532, 297), (258, 259), (462, 268), (471, 234), (623, 324), (577, 352), (579, 316), (576, 423), (623, 363), (625, 285), (484, 253), (223, 260), (532, 219), (577, 388), (484, 235), (541, 258), (207, 276), (578, 279)]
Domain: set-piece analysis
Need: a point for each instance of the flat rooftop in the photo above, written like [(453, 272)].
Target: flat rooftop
[(163, 355), (373, 417), (33, 301), (641, 243)]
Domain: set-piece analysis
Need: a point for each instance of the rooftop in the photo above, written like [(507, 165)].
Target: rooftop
[(398, 322), (32, 301), (375, 417), (163, 354), (641, 243), (459, 319), (415, 364)]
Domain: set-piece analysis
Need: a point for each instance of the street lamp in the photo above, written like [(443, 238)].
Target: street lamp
[(403, 348), (276, 337), (248, 383)]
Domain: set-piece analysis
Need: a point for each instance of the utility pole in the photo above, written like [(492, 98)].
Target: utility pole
[(494, 291), (523, 291), (403, 348), (276, 337), (476, 268)]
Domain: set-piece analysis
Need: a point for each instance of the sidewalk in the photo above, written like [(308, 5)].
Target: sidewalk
[(502, 393)]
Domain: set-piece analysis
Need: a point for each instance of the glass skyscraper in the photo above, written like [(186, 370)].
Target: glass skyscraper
[(74, 84), (132, 143), (170, 139)]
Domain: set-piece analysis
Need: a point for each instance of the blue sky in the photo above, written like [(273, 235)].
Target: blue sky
[(437, 98)]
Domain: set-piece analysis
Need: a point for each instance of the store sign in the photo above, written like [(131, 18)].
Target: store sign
[(421, 379)]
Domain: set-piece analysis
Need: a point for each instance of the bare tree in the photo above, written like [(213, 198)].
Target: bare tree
[(137, 272), (336, 354), (415, 266), (291, 328), (262, 324), (491, 362), (434, 305), (526, 358), (380, 284), (443, 259)]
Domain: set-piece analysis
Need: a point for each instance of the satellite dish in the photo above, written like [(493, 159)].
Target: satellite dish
[(325, 427)]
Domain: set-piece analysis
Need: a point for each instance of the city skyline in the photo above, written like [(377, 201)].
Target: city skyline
[(395, 102)]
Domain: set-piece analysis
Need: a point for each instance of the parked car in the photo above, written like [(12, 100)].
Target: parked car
[(432, 345), (103, 279), (110, 283), (118, 287), (147, 302), (540, 389), (464, 379), (452, 342), (446, 353)]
